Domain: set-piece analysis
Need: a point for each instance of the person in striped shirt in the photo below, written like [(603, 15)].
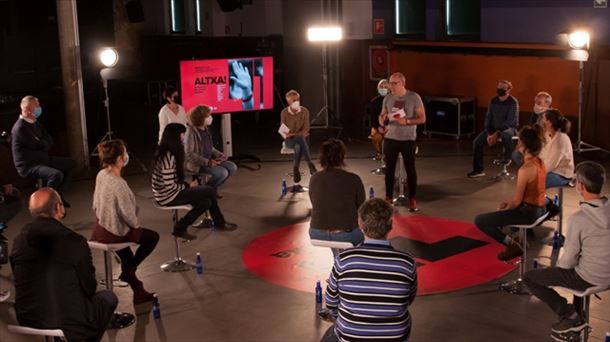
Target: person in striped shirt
[(371, 286), (170, 189)]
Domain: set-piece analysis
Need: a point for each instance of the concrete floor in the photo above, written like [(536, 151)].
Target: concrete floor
[(228, 303)]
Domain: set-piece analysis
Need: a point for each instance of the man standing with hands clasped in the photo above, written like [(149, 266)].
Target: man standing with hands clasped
[(401, 112)]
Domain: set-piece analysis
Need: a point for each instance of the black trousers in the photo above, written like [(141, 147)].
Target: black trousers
[(539, 280), (148, 241), (202, 198), (391, 149)]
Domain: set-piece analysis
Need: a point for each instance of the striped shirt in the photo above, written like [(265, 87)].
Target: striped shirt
[(165, 184), (372, 287)]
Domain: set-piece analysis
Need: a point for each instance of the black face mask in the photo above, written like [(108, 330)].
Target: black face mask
[(501, 91), (176, 100)]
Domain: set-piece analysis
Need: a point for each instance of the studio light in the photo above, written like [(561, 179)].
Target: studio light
[(109, 57), (325, 34), (578, 40)]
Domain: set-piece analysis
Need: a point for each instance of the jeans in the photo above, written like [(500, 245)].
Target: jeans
[(220, 173), (355, 237), (301, 149), (554, 180), (481, 140), (490, 223), (56, 175), (539, 280), (202, 198), (391, 149)]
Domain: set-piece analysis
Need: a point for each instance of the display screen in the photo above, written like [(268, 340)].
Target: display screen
[(228, 85)]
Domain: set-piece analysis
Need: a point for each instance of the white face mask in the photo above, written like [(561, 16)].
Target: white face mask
[(296, 106), (125, 159), (540, 109), (208, 121), (382, 91)]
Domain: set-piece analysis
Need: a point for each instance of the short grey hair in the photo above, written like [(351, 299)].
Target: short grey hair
[(382, 81), (401, 76), (548, 99), (375, 218), (25, 102), (592, 175)]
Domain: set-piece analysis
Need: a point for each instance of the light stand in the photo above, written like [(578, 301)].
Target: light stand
[(325, 35), (582, 146)]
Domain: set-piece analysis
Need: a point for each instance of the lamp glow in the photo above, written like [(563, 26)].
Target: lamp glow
[(109, 57), (324, 34), (578, 40)]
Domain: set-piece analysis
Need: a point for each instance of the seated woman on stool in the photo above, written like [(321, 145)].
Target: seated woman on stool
[(201, 156), (557, 154), (116, 211), (527, 205), (170, 189), (296, 118), (335, 196)]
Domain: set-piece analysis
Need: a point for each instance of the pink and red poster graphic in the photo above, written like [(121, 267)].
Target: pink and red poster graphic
[(228, 85)]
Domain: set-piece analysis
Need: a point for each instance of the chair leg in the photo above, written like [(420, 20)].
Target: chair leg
[(108, 270), (586, 300), (178, 264), (517, 286), (560, 219)]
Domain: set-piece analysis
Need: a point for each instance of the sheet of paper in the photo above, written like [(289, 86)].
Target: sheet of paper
[(397, 114), (283, 130)]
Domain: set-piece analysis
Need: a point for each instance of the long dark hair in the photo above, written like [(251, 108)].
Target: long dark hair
[(532, 138), (171, 142), (558, 121)]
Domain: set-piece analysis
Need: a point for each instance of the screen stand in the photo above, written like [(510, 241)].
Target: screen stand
[(227, 146)]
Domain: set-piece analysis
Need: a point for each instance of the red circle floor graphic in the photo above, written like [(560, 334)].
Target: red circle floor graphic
[(451, 255)]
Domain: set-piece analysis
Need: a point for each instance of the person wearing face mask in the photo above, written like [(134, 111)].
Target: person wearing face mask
[(54, 275), (296, 118), (172, 111), (586, 253), (373, 109), (170, 189), (542, 102), (200, 155), (557, 152), (30, 145), (117, 219), (528, 202), (501, 121)]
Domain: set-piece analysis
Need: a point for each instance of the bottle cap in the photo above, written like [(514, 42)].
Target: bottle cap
[(198, 254)]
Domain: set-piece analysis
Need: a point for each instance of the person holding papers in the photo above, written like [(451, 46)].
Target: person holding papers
[(295, 129), (401, 112)]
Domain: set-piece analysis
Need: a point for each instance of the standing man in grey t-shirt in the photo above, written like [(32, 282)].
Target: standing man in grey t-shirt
[(401, 112)]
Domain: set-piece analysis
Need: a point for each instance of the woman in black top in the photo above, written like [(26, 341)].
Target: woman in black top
[(335, 196)]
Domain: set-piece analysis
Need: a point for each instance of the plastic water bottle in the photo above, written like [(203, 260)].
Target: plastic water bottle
[(556, 200), (607, 337), (198, 264), (555, 240), (318, 293), (284, 187), (535, 264), (371, 192), (156, 308)]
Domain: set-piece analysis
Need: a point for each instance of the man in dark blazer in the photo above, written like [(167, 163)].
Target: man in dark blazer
[(54, 275)]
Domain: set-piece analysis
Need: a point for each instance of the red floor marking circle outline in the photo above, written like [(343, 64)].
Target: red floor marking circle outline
[(286, 257)]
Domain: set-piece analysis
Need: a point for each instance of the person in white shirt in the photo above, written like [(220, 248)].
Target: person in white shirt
[(557, 153), (172, 111)]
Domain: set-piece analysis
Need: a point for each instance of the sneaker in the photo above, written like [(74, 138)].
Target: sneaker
[(121, 320), (296, 174), (206, 223), (413, 205), (226, 226), (312, 168), (568, 324), (570, 336), (183, 234), (377, 156), (475, 174), (511, 251)]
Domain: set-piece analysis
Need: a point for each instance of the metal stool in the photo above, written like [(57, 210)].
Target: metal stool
[(517, 286), (108, 249), (586, 300), (49, 334), (504, 173), (178, 264), (340, 245)]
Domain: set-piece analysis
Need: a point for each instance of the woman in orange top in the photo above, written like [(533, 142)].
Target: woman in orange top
[(527, 205)]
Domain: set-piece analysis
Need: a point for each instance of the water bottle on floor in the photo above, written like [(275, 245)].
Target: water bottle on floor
[(156, 308), (198, 264), (284, 187), (318, 293), (556, 240), (535, 264), (371, 192), (607, 337)]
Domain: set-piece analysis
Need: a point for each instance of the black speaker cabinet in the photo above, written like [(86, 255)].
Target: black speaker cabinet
[(453, 116)]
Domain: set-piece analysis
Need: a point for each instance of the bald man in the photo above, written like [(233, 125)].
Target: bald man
[(30, 143), (54, 275)]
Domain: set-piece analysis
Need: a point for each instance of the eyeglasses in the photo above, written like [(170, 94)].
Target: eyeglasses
[(394, 83)]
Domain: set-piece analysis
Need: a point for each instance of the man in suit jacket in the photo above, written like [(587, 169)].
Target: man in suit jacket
[(54, 275)]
